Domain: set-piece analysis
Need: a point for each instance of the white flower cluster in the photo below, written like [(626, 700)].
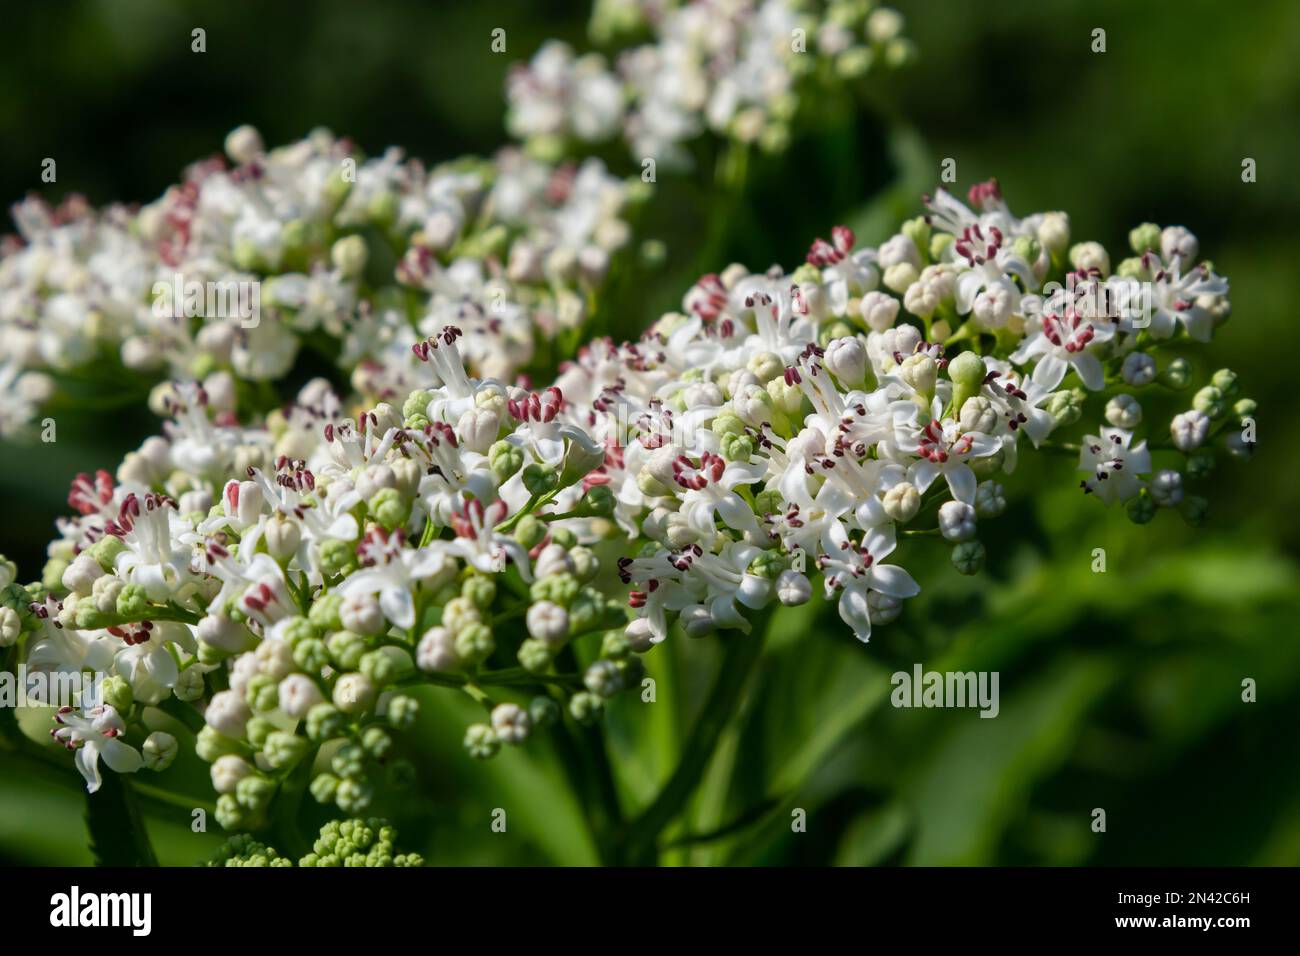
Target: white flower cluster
[(244, 261), (290, 578), (731, 67)]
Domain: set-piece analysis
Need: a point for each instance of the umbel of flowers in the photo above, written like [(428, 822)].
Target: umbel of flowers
[(281, 583), (259, 253)]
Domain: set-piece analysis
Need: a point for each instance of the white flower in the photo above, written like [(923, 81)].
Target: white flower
[(93, 735), (855, 573), (1113, 465)]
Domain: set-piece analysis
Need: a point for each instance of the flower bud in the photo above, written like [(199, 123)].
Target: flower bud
[(902, 502), (361, 614), (957, 521), (227, 714), (978, 415), (879, 310), (1123, 411), (298, 694), (793, 588), (968, 557), (548, 623), (159, 750), (1166, 488), (990, 500), (1189, 430), (1139, 369), (847, 360), (511, 723), (1144, 238), (354, 693)]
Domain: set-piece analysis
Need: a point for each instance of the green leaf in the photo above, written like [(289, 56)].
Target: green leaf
[(117, 833)]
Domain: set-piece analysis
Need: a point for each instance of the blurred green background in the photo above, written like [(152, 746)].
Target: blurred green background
[(1119, 691)]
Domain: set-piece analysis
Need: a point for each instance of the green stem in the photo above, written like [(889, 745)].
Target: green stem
[(740, 654)]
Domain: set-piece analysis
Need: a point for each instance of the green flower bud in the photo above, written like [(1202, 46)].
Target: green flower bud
[(727, 423), (402, 711), (230, 814), (938, 243), (599, 501), (737, 447), (1144, 238), (117, 693), (1065, 406), (91, 618), (52, 574), (1245, 408), (475, 644), (336, 557), (534, 656), (543, 711), (631, 669), (530, 531), (585, 563), (380, 666), (349, 255), (768, 564), (769, 502), (106, 550), (1028, 248), (417, 402), (480, 590), (325, 722), (918, 230), (1225, 380), (283, 750), (389, 508), (209, 745), (323, 787), (376, 742), (1177, 374), (586, 611), (354, 796), (1210, 401), (560, 589), (257, 730), (481, 741), (539, 479), (968, 557), (615, 646), (585, 707), (1200, 464), (346, 649), (209, 654), (324, 611), (349, 761), (505, 459), (311, 655), (297, 629), (967, 372), (564, 538), (263, 694)]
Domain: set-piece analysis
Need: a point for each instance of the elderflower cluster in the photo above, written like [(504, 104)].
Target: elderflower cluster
[(783, 424), (254, 255), (355, 842), (284, 584), (735, 68)]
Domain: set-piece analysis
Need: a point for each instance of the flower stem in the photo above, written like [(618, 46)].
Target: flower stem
[(740, 654)]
